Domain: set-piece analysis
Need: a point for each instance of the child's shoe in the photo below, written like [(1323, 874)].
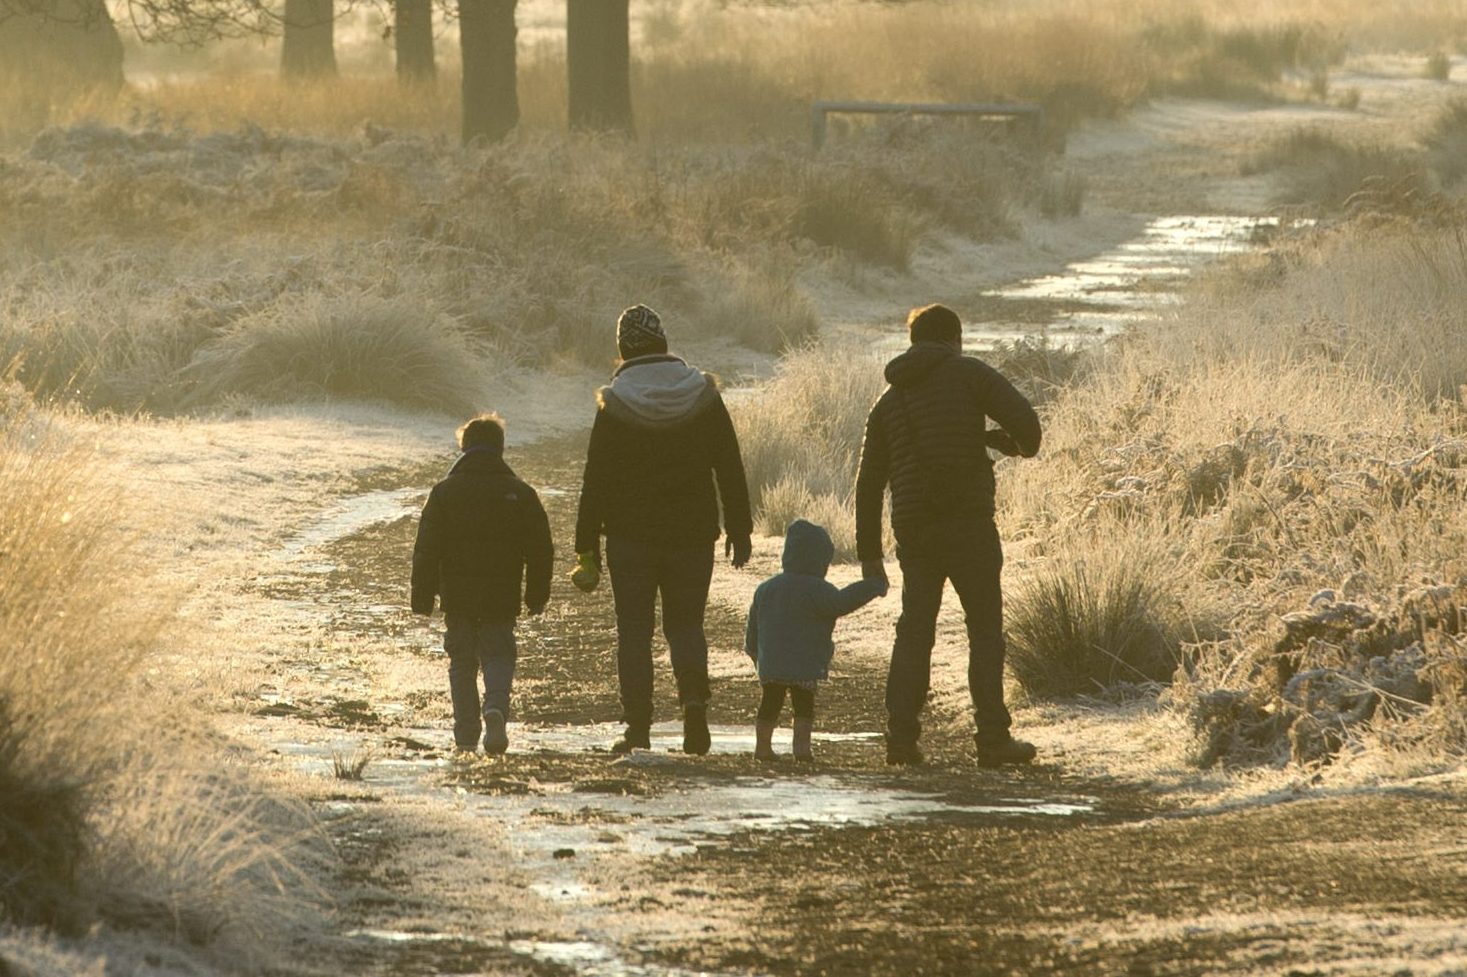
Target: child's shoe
[(764, 742), (635, 738), (496, 737), (803, 728), (696, 739)]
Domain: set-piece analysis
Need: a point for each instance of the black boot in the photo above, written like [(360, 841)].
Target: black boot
[(998, 753), (695, 729), (637, 737), (902, 753)]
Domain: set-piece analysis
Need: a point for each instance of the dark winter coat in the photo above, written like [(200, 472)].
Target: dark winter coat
[(661, 439), (793, 614), (483, 532), (926, 438)]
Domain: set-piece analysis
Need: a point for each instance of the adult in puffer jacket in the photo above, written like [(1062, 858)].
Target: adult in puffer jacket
[(483, 534), (927, 437), (789, 632), (661, 440)]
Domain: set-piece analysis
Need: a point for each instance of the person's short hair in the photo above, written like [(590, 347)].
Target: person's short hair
[(484, 431), (935, 323)]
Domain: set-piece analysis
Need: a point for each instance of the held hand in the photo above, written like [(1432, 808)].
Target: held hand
[(876, 570), (587, 574), (1001, 441), (738, 549)]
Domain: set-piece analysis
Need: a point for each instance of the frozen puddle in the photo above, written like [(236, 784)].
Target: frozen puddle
[(552, 824), (1110, 292), (593, 959), (666, 738), (353, 514)]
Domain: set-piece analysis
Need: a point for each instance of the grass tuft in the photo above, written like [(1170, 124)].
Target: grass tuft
[(1087, 622), (356, 347)]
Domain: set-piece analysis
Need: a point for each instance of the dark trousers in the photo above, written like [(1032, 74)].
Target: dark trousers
[(681, 574), (476, 647), (971, 556), (802, 700)]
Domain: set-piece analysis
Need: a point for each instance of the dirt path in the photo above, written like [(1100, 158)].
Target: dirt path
[(560, 859)]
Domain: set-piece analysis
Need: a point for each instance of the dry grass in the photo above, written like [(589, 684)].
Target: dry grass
[(109, 811), (1295, 428), (1108, 608), (801, 439), (163, 269)]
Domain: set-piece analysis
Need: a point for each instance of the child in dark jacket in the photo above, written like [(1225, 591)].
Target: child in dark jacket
[(482, 536), (791, 621)]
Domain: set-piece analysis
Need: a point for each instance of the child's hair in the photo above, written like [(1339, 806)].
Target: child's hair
[(934, 322), (484, 431)]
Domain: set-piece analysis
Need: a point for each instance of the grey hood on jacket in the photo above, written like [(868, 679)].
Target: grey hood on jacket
[(808, 549), (657, 391)]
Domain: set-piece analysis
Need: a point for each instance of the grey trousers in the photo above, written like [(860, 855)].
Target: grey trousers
[(477, 647)]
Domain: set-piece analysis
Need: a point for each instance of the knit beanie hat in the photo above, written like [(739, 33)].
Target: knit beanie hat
[(639, 333)]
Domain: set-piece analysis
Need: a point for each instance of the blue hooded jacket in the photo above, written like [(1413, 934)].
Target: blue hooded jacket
[(793, 614)]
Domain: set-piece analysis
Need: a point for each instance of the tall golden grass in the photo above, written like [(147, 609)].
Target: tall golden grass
[(113, 812), (747, 72)]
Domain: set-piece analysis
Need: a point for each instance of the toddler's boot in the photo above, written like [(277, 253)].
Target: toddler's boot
[(803, 728), (764, 742)]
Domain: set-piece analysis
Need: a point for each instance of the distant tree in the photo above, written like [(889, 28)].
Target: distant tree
[(59, 46), (491, 105), (412, 36), (598, 64), (308, 50)]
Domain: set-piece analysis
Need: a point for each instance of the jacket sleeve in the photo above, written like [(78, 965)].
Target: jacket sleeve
[(751, 630), (728, 468), (871, 478), (1003, 402), (427, 555), (833, 602), (539, 552), (590, 513)]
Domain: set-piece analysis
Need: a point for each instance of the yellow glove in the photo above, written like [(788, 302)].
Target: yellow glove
[(587, 574)]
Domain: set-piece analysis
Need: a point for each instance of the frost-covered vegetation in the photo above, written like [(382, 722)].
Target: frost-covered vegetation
[(1259, 503), (116, 811)]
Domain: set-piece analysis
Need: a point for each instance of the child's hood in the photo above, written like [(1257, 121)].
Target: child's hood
[(807, 549)]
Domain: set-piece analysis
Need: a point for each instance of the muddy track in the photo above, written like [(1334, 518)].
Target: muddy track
[(660, 864)]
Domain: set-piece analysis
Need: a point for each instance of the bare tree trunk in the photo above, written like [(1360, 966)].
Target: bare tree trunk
[(413, 36), (491, 104), (58, 48), (598, 61), (308, 50)]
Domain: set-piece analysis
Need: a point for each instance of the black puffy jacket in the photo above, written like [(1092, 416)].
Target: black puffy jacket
[(661, 439), (925, 437), (482, 534)]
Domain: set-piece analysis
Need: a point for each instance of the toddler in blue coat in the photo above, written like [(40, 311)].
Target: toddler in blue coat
[(791, 621)]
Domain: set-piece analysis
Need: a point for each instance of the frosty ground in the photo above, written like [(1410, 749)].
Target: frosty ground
[(290, 534)]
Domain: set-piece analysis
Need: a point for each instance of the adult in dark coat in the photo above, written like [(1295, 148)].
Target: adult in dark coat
[(927, 437), (483, 534), (661, 440)]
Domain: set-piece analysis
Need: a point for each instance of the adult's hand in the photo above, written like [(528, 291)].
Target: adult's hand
[(587, 574), (738, 549), (1001, 441), (876, 570)]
